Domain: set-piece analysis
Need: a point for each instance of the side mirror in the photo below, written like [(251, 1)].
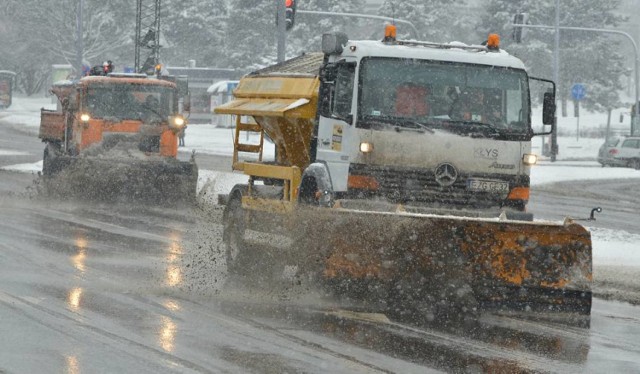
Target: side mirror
[(333, 43), (548, 109), (621, 117), (72, 102)]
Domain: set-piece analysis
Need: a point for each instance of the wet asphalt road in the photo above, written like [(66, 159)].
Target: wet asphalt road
[(618, 198), (89, 288)]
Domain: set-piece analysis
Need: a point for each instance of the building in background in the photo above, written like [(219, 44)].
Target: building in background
[(221, 92), (200, 79)]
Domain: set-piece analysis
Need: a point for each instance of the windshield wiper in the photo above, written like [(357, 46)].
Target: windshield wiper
[(479, 124), (416, 124), (398, 123)]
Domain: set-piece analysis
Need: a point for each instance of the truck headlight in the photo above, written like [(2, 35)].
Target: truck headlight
[(529, 159), (177, 122), (84, 117), (366, 147)]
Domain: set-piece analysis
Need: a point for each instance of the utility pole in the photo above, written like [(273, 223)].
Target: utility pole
[(556, 78), (79, 39), (147, 35), (281, 31)]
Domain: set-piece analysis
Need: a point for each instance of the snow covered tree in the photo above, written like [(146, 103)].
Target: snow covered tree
[(591, 58), (306, 36), (43, 32), (250, 34), (52, 24), (18, 52), (436, 20), (194, 30), (252, 28)]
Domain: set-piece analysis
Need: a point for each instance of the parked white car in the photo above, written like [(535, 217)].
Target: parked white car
[(629, 152), (608, 152)]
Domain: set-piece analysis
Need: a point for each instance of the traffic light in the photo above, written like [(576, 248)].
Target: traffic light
[(518, 32), (290, 13)]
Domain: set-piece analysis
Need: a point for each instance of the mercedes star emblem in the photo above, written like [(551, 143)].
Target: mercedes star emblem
[(446, 174)]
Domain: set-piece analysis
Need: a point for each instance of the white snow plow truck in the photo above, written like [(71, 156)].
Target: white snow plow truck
[(402, 175)]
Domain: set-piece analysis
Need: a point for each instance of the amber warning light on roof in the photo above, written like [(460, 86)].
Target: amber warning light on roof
[(390, 32), (493, 41)]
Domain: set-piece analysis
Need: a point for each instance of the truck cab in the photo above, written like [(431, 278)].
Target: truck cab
[(99, 108), (429, 126)]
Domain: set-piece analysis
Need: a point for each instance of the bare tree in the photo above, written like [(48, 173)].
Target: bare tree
[(34, 34)]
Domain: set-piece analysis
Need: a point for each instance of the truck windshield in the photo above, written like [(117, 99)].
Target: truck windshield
[(149, 103), (401, 91)]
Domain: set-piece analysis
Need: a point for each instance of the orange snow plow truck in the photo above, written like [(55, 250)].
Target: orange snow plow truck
[(115, 137), (390, 187)]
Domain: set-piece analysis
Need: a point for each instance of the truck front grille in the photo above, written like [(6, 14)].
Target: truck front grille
[(405, 185)]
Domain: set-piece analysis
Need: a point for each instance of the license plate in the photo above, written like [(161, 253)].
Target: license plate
[(487, 185)]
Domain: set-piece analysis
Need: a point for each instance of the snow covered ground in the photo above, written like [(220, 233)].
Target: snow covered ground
[(576, 161)]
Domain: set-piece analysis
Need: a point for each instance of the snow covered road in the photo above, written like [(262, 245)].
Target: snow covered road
[(91, 288)]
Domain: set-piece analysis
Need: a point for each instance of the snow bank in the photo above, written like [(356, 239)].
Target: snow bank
[(615, 247), (562, 171)]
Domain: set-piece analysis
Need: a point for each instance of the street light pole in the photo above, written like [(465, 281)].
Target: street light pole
[(79, 40)]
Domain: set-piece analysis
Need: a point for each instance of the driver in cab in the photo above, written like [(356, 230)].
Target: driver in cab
[(476, 105), (411, 100)]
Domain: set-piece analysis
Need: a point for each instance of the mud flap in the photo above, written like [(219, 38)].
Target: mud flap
[(442, 260)]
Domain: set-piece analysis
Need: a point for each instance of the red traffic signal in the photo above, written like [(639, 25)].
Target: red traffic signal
[(290, 13)]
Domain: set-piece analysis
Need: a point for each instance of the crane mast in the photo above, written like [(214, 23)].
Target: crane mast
[(147, 39)]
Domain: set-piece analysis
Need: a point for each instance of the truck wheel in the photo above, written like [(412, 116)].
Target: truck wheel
[(51, 152), (233, 236), (308, 191), (636, 164)]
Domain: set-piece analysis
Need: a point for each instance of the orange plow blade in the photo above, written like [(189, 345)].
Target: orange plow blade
[(500, 264)]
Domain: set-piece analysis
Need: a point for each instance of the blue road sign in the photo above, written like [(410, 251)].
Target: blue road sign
[(578, 91)]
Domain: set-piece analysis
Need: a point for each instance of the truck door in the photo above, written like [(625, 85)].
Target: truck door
[(335, 130)]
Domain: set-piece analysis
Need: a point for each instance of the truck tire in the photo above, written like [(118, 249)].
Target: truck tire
[(308, 190), (51, 152), (315, 186), (233, 236)]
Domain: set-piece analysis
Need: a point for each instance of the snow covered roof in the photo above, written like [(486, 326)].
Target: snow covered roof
[(125, 80), (64, 82), (305, 64), (207, 75), (462, 54), (220, 87)]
